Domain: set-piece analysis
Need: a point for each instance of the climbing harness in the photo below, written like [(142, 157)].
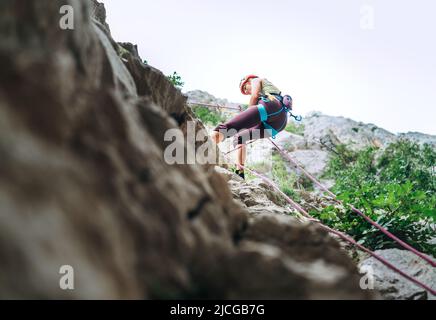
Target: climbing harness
[(286, 106)]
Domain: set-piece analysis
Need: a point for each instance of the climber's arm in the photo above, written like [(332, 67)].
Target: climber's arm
[(256, 88)]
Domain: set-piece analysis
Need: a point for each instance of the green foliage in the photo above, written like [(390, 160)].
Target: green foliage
[(207, 115), (394, 187), (176, 80), (122, 53), (285, 180), (295, 129), (261, 167)]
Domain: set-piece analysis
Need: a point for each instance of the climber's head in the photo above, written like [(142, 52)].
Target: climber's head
[(245, 84)]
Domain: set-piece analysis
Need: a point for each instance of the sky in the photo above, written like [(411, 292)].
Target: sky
[(369, 60)]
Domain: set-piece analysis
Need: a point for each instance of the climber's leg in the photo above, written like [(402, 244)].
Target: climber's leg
[(241, 156), (247, 119), (217, 137), (240, 140), (240, 160), (256, 132), (244, 120)]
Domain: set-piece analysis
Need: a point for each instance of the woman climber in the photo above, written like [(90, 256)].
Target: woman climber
[(265, 117)]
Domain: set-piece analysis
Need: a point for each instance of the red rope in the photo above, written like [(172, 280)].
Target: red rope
[(360, 213), (340, 234), (239, 147), (213, 106)]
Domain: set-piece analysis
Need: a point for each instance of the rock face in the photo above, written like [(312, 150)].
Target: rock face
[(419, 137), (322, 130), (205, 97), (326, 130), (256, 196), (83, 182), (98, 12), (394, 287), (275, 229), (314, 161)]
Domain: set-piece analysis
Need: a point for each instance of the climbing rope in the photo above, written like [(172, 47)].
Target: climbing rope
[(338, 233), (216, 106), (354, 209), (239, 147)]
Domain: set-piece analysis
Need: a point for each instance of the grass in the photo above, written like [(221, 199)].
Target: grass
[(297, 129), (208, 116), (285, 180)]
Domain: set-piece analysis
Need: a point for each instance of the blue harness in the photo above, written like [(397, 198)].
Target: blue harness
[(264, 115)]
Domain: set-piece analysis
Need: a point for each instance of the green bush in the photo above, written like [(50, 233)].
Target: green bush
[(208, 116), (261, 166), (394, 187), (295, 129), (285, 180), (176, 80)]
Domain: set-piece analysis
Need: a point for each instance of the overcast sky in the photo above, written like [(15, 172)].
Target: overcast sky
[(370, 60)]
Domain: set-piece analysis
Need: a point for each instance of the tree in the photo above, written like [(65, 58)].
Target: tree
[(176, 80)]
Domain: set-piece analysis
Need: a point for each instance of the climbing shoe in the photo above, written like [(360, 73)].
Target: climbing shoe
[(240, 173)]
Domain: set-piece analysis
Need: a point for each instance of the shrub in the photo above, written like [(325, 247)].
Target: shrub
[(208, 116), (394, 187), (284, 179), (176, 80), (295, 128)]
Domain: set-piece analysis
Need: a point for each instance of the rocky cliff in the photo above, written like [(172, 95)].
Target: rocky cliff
[(83, 182)]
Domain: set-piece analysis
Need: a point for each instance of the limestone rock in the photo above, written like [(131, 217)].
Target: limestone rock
[(393, 286), (277, 231), (205, 97), (98, 12), (290, 142), (314, 161), (419, 137), (321, 129)]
